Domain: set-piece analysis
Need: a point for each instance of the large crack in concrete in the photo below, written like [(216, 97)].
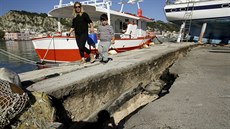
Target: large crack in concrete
[(127, 104), (120, 90), (134, 98)]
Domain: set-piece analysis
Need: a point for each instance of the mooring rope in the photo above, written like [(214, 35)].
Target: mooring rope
[(3, 52), (47, 50)]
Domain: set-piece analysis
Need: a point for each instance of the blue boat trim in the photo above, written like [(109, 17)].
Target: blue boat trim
[(226, 19), (225, 5)]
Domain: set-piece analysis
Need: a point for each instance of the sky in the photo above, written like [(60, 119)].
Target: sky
[(150, 8)]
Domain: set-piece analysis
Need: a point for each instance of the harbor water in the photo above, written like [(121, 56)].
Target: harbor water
[(22, 49)]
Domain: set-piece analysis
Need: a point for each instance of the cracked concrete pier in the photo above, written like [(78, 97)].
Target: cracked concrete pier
[(120, 86), (198, 99)]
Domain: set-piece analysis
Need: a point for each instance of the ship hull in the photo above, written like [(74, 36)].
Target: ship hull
[(65, 49), (215, 13)]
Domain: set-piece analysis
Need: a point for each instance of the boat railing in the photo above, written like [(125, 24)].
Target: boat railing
[(96, 3), (171, 2), (64, 5)]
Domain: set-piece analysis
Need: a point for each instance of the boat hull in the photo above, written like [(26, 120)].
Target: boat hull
[(215, 13), (65, 49)]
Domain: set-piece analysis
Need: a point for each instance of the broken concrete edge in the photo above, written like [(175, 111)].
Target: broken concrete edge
[(47, 73), (42, 74), (129, 97), (55, 88), (70, 91)]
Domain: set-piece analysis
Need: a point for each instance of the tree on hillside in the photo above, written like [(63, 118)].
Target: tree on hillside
[(162, 26), (2, 34), (66, 22)]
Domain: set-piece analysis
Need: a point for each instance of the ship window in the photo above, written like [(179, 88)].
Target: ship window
[(182, 9), (225, 5), (173, 10)]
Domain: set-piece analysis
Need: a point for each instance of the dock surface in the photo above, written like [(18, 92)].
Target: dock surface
[(130, 80), (198, 99)]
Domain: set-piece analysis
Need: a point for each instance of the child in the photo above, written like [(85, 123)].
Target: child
[(106, 37)]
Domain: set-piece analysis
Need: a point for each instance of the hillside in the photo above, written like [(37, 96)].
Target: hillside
[(20, 20), (16, 21), (162, 26)]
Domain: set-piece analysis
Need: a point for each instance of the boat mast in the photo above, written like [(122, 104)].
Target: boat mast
[(60, 3), (108, 4), (59, 19), (122, 5), (139, 11)]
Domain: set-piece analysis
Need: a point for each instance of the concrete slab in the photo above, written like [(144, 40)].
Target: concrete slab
[(85, 90), (121, 60)]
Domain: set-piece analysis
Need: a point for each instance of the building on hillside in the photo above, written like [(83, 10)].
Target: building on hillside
[(17, 36)]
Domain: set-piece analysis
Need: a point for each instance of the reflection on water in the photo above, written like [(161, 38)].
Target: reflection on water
[(23, 49)]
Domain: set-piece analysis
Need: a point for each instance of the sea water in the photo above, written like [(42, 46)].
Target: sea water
[(23, 49)]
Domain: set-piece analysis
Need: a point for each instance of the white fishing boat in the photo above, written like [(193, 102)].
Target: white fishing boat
[(61, 48), (202, 18)]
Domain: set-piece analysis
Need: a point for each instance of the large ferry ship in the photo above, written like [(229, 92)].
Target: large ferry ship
[(208, 19)]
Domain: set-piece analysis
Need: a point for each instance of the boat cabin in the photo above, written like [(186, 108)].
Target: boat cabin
[(125, 25)]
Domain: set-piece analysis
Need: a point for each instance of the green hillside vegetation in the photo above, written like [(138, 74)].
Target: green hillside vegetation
[(30, 13), (2, 34), (14, 21), (163, 26)]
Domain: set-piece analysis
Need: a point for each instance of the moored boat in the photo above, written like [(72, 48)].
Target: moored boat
[(61, 48), (202, 18)]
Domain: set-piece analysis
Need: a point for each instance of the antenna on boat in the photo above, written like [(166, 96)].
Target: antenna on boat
[(108, 4), (139, 11), (59, 20), (60, 3), (122, 2)]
